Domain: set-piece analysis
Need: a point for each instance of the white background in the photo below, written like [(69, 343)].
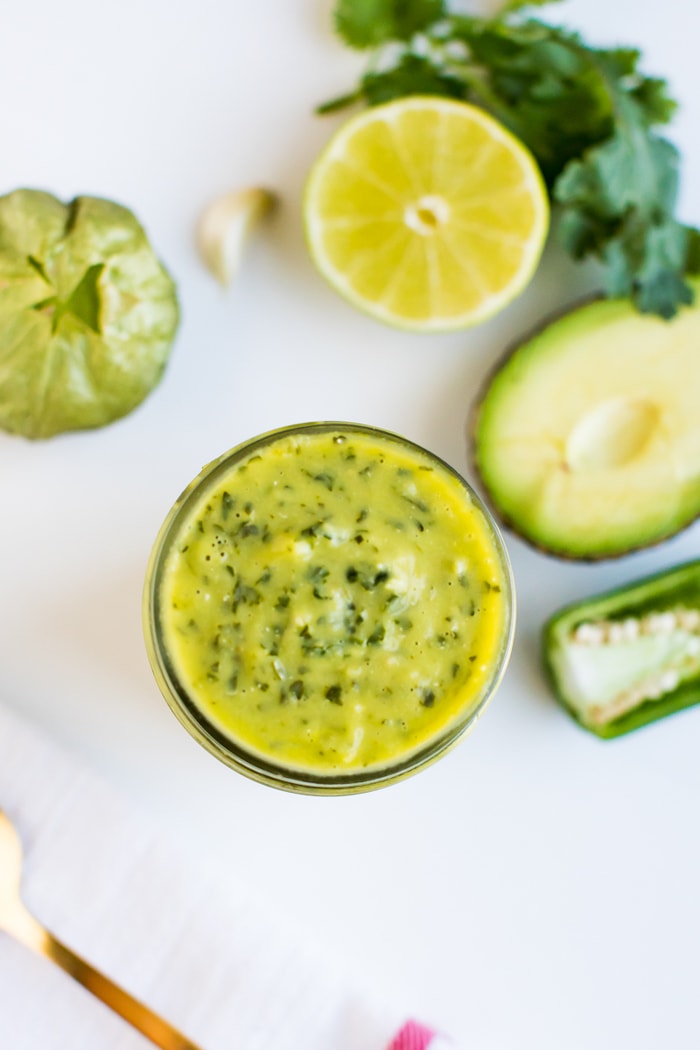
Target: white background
[(535, 890)]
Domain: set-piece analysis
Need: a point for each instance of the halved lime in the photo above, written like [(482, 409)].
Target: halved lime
[(426, 213)]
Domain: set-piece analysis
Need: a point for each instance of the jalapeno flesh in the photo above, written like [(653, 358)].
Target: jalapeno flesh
[(630, 656)]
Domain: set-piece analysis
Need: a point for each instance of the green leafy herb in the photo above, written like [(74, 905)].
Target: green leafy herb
[(589, 115), (334, 694), (227, 505), (369, 23)]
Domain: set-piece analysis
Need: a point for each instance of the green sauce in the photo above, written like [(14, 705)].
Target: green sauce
[(333, 602)]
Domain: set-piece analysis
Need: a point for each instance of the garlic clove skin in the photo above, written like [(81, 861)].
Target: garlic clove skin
[(225, 226)]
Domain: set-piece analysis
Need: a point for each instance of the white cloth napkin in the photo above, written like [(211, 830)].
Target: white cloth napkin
[(228, 976)]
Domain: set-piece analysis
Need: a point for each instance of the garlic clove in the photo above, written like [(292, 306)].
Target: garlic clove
[(224, 228)]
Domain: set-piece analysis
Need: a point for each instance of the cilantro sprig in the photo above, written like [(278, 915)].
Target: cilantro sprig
[(589, 116)]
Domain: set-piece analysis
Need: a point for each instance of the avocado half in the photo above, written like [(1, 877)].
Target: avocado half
[(587, 435)]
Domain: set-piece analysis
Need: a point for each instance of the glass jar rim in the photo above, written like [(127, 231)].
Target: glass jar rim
[(224, 747)]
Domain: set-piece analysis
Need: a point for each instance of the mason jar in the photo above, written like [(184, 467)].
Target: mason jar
[(328, 608)]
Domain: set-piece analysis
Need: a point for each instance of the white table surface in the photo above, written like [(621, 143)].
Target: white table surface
[(536, 889)]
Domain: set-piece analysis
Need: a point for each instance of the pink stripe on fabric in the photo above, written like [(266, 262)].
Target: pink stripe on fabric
[(413, 1036)]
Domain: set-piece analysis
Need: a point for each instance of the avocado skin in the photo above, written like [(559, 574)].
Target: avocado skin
[(472, 428)]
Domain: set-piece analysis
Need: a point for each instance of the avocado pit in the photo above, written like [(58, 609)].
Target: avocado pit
[(612, 434)]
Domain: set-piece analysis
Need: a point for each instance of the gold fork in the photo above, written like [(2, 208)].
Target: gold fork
[(21, 924)]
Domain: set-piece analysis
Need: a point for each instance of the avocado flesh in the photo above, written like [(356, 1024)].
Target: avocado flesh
[(587, 437)]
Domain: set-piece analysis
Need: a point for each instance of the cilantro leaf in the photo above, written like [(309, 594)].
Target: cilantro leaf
[(617, 203), (655, 105), (692, 253), (659, 287), (369, 23), (621, 65), (629, 170), (412, 75), (516, 5)]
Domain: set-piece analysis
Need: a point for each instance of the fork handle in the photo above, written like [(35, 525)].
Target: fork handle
[(25, 928)]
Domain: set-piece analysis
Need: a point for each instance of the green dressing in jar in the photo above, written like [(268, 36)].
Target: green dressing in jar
[(329, 604)]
